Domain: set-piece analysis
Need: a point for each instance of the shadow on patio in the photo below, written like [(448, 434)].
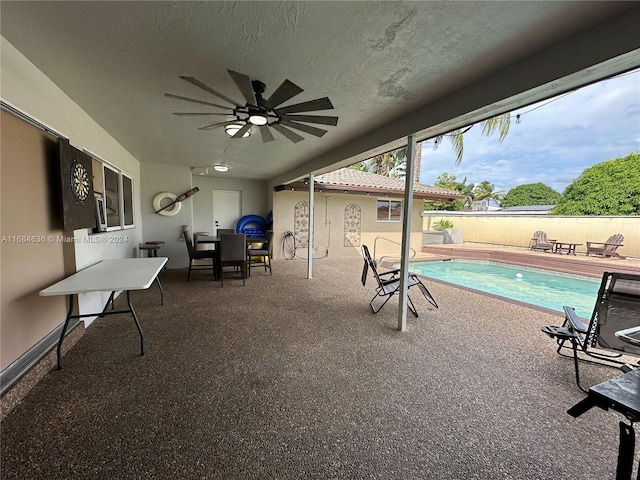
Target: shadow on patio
[(296, 378)]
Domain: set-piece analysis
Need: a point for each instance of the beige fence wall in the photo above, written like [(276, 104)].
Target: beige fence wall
[(517, 230)]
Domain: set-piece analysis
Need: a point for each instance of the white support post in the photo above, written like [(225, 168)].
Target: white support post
[(407, 208), (311, 223)]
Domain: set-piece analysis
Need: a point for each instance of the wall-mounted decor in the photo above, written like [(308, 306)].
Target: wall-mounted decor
[(301, 224), (174, 204), (352, 225), (76, 180)]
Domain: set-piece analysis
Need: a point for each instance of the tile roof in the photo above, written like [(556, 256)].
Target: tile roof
[(349, 179)]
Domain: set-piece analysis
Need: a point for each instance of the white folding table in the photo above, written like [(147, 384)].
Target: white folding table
[(122, 274)]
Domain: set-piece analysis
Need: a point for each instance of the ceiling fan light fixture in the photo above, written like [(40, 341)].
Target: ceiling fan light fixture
[(234, 128), (258, 119), (221, 168)]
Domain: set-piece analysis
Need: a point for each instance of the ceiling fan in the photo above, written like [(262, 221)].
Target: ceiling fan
[(261, 113)]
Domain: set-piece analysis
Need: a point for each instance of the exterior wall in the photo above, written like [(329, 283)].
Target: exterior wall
[(196, 211), (253, 193), (329, 224), (27, 317), (517, 230)]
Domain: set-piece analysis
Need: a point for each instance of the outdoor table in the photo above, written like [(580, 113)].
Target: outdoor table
[(621, 394), (568, 247), (123, 274), (216, 239)]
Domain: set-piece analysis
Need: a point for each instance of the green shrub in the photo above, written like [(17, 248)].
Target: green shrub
[(442, 224)]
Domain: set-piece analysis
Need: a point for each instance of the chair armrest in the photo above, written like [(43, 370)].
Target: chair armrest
[(574, 320), (626, 335), (390, 272), (594, 243)]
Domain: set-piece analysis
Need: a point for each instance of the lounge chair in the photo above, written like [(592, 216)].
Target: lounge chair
[(540, 241), (389, 284), (608, 248), (617, 310)]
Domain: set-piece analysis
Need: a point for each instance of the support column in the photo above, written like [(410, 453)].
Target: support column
[(311, 224), (407, 209)]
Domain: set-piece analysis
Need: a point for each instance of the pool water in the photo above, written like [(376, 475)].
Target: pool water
[(539, 287)]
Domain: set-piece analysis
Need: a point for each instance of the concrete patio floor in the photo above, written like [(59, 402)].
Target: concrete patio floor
[(290, 377)]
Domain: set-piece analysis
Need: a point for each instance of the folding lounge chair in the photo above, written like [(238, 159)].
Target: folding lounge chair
[(608, 248), (616, 312), (389, 284), (540, 241)]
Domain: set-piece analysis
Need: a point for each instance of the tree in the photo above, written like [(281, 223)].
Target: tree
[(608, 188), (389, 164), (531, 194), (448, 180), (500, 123), (485, 190)]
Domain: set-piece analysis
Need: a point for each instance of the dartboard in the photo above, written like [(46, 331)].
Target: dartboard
[(79, 181)]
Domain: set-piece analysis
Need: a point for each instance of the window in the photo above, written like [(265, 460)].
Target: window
[(115, 187), (389, 211)]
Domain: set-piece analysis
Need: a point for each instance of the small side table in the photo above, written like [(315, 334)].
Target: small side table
[(152, 248)]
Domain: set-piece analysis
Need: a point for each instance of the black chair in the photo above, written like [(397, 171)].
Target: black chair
[(389, 284), (233, 252), (265, 253), (199, 255), (617, 310)]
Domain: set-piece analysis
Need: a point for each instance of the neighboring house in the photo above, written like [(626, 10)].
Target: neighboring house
[(529, 209), (352, 208)]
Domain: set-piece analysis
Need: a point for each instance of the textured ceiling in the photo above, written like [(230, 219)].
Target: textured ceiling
[(376, 61)]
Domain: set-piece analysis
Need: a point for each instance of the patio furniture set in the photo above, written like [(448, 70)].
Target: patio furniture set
[(604, 249), (229, 249)]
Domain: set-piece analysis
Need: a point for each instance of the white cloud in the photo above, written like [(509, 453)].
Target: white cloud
[(554, 143)]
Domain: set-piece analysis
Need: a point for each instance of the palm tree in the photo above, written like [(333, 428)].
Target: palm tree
[(499, 123), (394, 163), (485, 190)]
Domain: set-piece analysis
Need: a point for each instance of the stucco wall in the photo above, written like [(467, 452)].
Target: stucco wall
[(329, 224), (26, 88), (518, 230), (253, 193)]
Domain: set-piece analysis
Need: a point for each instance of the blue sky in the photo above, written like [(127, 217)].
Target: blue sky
[(553, 144)]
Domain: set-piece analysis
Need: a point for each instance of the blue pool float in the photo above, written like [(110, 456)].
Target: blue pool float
[(253, 225)]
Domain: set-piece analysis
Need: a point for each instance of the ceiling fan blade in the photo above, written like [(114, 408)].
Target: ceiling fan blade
[(213, 125), (198, 114), (284, 92), (312, 119), (318, 132), (194, 100), (293, 136), (318, 104), (267, 136), (244, 85), (242, 131), (207, 88)]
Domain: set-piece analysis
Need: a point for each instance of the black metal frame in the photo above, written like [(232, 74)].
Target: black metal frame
[(389, 284), (104, 313), (584, 338)]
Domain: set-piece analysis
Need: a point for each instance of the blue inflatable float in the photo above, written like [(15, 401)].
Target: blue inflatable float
[(253, 225)]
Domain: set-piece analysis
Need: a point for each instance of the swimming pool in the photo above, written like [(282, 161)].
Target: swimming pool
[(539, 287)]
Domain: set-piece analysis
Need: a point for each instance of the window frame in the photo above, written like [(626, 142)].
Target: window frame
[(125, 202), (389, 218)]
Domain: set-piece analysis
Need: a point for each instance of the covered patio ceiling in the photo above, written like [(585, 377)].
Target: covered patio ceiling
[(390, 69)]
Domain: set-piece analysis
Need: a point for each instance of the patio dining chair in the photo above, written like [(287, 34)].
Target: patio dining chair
[(389, 284), (195, 255), (233, 252), (263, 254), (616, 311)]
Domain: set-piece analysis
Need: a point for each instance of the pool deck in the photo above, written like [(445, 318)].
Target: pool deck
[(576, 264)]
